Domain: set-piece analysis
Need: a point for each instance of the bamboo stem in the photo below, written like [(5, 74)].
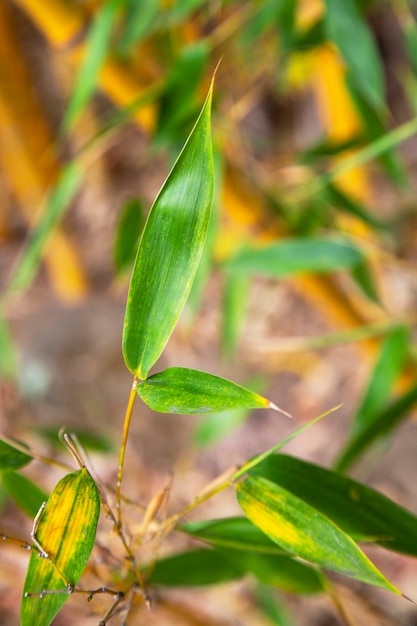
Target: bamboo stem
[(126, 425)]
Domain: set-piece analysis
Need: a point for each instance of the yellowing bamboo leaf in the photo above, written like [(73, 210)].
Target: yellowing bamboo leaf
[(65, 532), (170, 250), (305, 532)]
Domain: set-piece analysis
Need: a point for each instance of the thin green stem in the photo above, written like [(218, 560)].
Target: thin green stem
[(128, 417)]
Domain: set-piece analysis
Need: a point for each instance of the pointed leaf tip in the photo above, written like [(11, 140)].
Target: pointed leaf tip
[(273, 406)]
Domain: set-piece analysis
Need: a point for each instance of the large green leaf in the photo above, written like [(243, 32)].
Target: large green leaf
[(305, 532), (358, 510), (349, 31), (23, 492), (295, 255), (169, 251), (191, 392), (66, 532)]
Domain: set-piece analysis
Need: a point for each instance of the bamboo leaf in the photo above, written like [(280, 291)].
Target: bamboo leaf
[(349, 31), (8, 352), (97, 46), (66, 532), (191, 392), (296, 255), (280, 571), (56, 204), (195, 568), (358, 510), (11, 458), (382, 423), (303, 531), (169, 251), (233, 532), (127, 235), (387, 369), (23, 492)]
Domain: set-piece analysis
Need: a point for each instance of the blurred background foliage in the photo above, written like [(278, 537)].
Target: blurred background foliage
[(315, 113)]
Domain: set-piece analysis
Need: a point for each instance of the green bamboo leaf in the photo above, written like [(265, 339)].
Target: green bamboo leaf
[(381, 425), (169, 251), (96, 49), (303, 531), (66, 532), (177, 107), (348, 30), (272, 607), (236, 291), (358, 510), (127, 235), (8, 352), (138, 19), (191, 392), (280, 571), (195, 568), (387, 369), (233, 532), (11, 458), (23, 492), (296, 255), (56, 204)]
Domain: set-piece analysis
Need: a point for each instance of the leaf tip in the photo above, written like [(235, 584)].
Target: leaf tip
[(272, 405)]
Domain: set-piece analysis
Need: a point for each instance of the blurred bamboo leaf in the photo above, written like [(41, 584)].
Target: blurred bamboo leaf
[(11, 458), (272, 607), (303, 531), (383, 423), (56, 204), (137, 21), (361, 512), (23, 492), (170, 250), (352, 206), (128, 232), (208, 567), (96, 50), (178, 102), (364, 278), (216, 426), (376, 129), (232, 532), (195, 568), (295, 255), (280, 571), (348, 30), (8, 352), (191, 392), (66, 532), (391, 360), (236, 290)]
